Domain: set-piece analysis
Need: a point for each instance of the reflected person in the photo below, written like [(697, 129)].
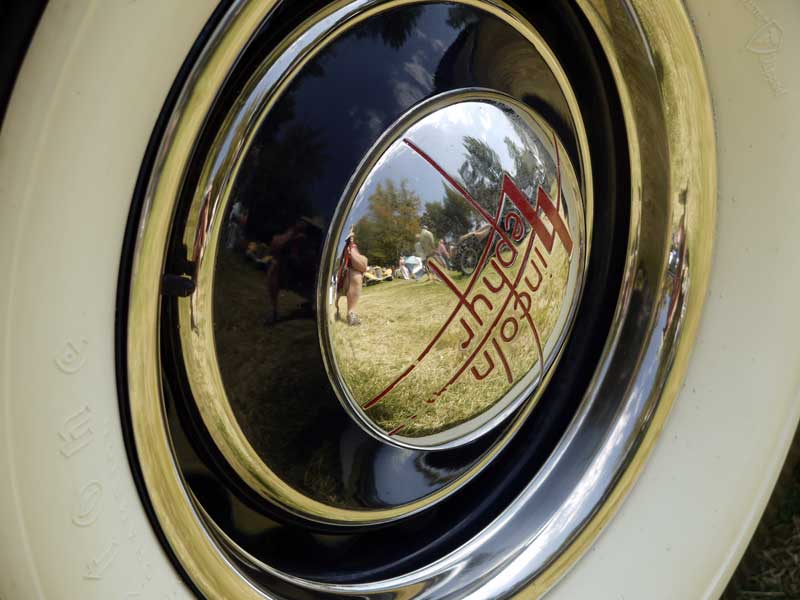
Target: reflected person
[(350, 278), (237, 220), (426, 249), (402, 270), (293, 264), (443, 254)]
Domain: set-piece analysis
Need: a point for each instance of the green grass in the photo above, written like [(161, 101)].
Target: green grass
[(400, 318), (279, 395), (283, 398)]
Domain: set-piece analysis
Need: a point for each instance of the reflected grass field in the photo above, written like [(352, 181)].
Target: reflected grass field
[(399, 319), (281, 395), (274, 384)]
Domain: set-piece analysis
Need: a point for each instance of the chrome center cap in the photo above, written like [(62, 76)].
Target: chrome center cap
[(453, 271)]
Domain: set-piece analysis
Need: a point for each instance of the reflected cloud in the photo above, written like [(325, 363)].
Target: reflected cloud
[(369, 119), (406, 94), (418, 72), (437, 44)]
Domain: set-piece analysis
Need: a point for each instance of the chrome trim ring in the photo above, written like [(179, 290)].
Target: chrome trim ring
[(659, 76)]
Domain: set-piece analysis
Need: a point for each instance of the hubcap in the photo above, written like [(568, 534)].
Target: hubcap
[(475, 414), (241, 342), (443, 356)]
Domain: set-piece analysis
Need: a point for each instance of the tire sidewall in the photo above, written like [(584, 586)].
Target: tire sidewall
[(87, 100), (88, 96)]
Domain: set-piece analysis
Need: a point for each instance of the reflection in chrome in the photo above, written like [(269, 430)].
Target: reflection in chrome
[(334, 479), (658, 72), (443, 356)]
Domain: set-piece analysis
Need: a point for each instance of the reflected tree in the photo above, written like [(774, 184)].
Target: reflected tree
[(394, 27), (280, 170), (449, 219), (389, 229), (528, 164), (460, 16), (285, 157), (481, 172)]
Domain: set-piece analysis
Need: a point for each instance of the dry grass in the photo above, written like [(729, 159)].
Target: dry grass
[(771, 566), (773, 570), (399, 320), (274, 379), (282, 396)]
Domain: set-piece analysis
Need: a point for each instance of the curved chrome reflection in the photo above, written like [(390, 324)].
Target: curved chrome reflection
[(210, 212), (659, 74), (471, 208)]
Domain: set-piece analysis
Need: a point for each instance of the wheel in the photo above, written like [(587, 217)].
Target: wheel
[(188, 450), (467, 258)]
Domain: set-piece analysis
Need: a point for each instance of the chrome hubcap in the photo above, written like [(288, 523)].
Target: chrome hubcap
[(507, 169), (476, 412), (443, 356)]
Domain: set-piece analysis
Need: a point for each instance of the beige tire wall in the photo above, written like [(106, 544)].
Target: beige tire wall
[(86, 102), (87, 99), (688, 520)]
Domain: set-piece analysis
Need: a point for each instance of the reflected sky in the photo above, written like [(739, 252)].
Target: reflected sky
[(334, 111), (445, 135), (376, 95)]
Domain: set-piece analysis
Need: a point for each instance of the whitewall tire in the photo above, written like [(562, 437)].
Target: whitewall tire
[(87, 99)]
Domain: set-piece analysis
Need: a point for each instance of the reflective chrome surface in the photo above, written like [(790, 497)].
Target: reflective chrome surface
[(541, 531), (469, 215), (256, 369)]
